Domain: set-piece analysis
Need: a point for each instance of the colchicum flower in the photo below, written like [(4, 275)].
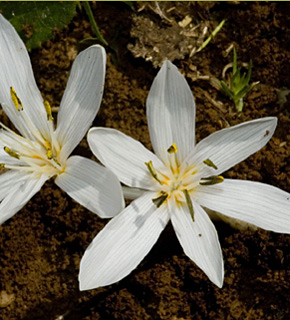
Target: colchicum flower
[(39, 151), (178, 182)]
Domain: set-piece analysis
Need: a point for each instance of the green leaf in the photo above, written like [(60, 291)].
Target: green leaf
[(35, 21), (129, 3), (245, 91), (226, 90), (235, 80)]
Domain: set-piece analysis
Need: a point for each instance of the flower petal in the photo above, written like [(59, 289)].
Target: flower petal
[(82, 98), (92, 185), (257, 203), (227, 147), (8, 179), (199, 241), (123, 243), (18, 190), (16, 71), (125, 156), (171, 113)]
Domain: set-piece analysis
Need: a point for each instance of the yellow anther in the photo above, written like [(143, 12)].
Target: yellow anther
[(211, 180), (49, 154), (172, 148), (159, 200), (189, 203), (209, 163), (17, 102), (2, 165), (11, 153), (48, 111), (152, 171)]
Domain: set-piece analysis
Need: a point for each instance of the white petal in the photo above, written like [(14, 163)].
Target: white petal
[(125, 156), (18, 191), (229, 146), (171, 113), (199, 240), (257, 203), (82, 98), (8, 179), (16, 71), (92, 185), (123, 243)]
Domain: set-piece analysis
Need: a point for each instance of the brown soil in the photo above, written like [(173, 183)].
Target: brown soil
[(41, 246)]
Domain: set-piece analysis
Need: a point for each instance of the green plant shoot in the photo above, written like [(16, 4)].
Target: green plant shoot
[(211, 36), (238, 86), (94, 25)]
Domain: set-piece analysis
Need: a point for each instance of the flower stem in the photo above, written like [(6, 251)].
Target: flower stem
[(93, 22)]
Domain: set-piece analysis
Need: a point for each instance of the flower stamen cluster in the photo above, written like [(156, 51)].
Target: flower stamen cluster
[(179, 181), (35, 153)]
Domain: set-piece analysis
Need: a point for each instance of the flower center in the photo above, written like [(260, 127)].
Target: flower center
[(34, 152), (178, 181)]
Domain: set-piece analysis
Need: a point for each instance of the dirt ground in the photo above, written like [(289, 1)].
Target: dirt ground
[(41, 246)]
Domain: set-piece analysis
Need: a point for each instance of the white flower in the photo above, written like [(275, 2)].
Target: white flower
[(40, 152), (180, 180)]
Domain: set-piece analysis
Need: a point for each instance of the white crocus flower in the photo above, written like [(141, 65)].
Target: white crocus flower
[(180, 179), (39, 151)]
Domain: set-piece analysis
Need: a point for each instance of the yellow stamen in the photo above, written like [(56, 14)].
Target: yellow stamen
[(48, 111), (36, 157), (209, 163), (159, 200), (11, 153), (153, 171), (211, 180), (189, 203), (173, 158), (49, 154), (17, 102), (2, 165), (172, 148)]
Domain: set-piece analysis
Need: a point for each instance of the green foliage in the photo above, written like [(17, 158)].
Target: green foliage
[(238, 86), (94, 25), (212, 35), (35, 21), (129, 3)]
